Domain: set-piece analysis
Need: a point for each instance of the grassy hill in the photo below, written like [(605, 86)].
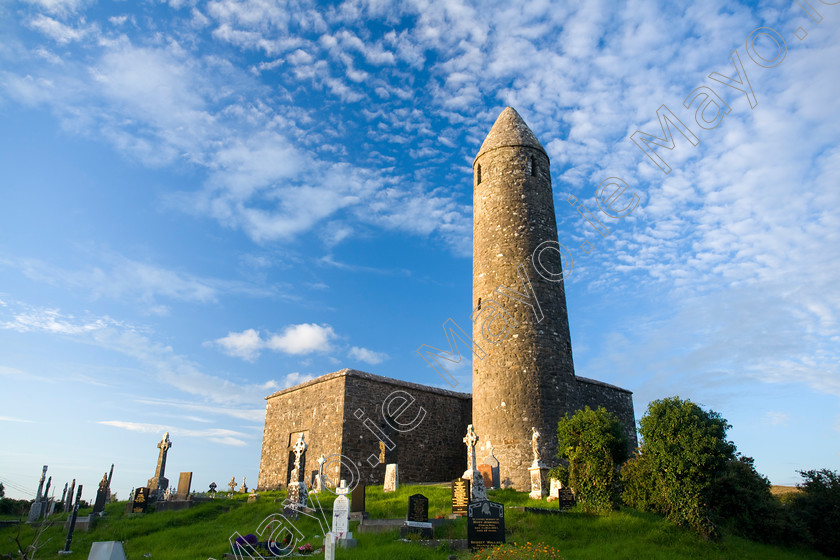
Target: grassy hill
[(204, 531)]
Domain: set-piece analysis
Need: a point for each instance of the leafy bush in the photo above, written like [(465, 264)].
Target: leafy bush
[(740, 500), (594, 444), (817, 507), (684, 449)]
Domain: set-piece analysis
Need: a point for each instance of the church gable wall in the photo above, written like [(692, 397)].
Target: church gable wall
[(314, 408)]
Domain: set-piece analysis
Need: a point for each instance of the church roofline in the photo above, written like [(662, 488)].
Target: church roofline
[(601, 383), (370, 377)]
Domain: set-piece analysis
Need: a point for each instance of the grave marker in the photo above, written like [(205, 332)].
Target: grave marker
[(460, 496), (101, 495), (184, 483), (141, 500), (392, 478), (417, 518), (485, 525)]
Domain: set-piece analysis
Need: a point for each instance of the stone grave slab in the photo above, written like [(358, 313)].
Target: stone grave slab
[(417, 518), (141, 500), (184, 483), (392, 478), (460, 496), (485, 525), (109, 550), (486, 472), (357, 503)]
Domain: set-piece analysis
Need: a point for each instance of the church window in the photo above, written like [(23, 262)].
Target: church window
[(533, 167)]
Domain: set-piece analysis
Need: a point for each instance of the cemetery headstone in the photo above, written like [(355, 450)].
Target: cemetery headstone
[(477, 489), (244, 488), (341, 522), (554, 486), (68, 505), (108, 491), (417, 518), (460, 496), (64, 493), (72, 522), (101, 494), (319, 478), (212, 489), (392, 478), (296, 490), (485, 525), (158, 484), (232, 484), (35, 508), (184, 483), (565, 498), (329, 547), (341, 513), (110, 550), (141, 500), (357, 503), (486, 475)]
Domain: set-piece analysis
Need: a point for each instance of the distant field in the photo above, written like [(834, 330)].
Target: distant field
[(779, 490)]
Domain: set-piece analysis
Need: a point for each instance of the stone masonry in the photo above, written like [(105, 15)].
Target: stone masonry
[(326, 409)]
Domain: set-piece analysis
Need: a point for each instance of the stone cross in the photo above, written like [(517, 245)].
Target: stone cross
[(477, 490), (232, 484), (164, 446), (471, 439), (319, 478), (299, 448), (41, 484)]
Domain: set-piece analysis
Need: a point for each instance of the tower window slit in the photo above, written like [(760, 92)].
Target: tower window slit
[(478, 173)]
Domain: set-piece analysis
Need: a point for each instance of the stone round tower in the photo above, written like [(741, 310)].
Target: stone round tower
[(523, 377)]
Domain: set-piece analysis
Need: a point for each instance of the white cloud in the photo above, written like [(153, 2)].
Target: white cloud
[(367, 356), (302, 339), (217, 435), (777, 418), (245, 345)]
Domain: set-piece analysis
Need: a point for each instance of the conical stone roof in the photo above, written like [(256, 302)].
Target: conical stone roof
[(509, 130)]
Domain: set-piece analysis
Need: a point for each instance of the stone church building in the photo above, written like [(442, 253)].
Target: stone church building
[(523, 372)]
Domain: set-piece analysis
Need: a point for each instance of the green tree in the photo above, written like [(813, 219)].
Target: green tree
[(2, 491), (594, 445), (684, 449), (818, 508)]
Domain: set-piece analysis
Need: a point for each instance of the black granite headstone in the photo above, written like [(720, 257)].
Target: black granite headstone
[(418, 508), (141, 500), (485, 524), (566, 499), (417, 519), (357, 499), (460, 496)]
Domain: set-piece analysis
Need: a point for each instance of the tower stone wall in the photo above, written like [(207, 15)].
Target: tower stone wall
[(525, 375)]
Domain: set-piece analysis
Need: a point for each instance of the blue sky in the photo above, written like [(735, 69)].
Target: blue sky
[(205, 202)]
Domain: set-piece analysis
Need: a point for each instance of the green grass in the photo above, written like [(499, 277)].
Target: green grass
[(203, 531)]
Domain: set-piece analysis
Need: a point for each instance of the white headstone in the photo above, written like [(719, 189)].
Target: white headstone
[(341, 514), (110, 550), (329, 547), (392, 478)]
